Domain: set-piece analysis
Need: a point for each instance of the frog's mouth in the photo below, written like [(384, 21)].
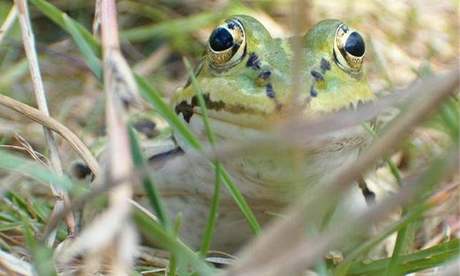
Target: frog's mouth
[(239, 115)]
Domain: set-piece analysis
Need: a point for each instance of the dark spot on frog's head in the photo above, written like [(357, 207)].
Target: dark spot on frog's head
[(325, 65), (269, 91), (317, 75), (263, 78), (313, 91), (265, 75), (253, 61)]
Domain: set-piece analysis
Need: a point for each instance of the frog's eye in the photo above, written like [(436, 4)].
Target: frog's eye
[(349, 49), (226, 45)]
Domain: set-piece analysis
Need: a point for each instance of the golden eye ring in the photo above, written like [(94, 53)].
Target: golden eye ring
[(226, 45), (349, 49)]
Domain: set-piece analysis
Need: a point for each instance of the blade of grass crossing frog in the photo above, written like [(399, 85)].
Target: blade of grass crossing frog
[(213, 211), (172, 267), (240, 201), (223, 175), (57, 16), (88, 53), (212, 216), (201, 102), (155, 232), (147, 181), (153, 96)]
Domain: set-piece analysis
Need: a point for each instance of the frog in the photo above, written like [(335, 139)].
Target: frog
[(245, 78)]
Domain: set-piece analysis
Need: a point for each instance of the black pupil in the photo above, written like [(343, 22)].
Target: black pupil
[(355, 45), (221, 39)]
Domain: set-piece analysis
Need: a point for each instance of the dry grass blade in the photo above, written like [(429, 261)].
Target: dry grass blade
[(97, 17), (71, 138), (273, 242), (118, 82), (299, 18), (62, 198), (56, 126), (9, 22), (11, 265), (110, 241), (152, 62)]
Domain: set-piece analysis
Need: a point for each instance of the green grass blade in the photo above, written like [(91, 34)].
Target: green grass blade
[(171, 28), (157, 234), (420, 260), (172, 267), (450, 115), (149, 186), (57, 17), (201, 102), (213, 210), (32, 169), (400, 247), (153, 97), (241, 202), (88, 53), (42, 256)]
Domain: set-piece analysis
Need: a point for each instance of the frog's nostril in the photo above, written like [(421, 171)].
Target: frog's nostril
[(355, 44), (221, 39)]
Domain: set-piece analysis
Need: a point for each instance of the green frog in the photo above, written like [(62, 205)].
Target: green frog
[(246, 80)]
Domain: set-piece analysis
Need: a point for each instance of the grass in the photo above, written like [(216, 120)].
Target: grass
[(422, 165)]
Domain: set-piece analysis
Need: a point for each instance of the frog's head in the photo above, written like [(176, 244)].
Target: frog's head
[(245, 75), (334, 56)]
